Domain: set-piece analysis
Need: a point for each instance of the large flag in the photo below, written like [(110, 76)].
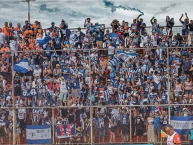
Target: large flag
[(114, 37), (124, 56), (115, 61), (65, 131), (38, 134), (181, 124), (21, 66), (44, 41)]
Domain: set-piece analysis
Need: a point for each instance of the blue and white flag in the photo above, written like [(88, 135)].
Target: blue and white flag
[(95, 28), (38, 134), (73, 39), (114, 37), (115, 61), (65, 131), (182, 124), (22, 66), (30, 93), (124, 56), (44, 41)]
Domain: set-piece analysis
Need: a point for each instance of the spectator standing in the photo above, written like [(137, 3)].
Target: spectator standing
[(185, 27), (150, 129)]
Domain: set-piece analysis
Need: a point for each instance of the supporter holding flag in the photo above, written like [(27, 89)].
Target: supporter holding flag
[(63, 26)]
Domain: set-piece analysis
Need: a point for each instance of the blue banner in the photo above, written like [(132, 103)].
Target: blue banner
[(182, 124), (30, 93), (38, 134)]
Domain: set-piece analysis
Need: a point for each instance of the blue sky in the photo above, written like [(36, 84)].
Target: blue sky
[(76, 11)]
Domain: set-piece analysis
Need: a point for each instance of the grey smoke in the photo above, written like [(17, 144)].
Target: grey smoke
[(166, 9)]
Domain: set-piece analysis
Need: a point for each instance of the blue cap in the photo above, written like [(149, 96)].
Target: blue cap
[(102, 55)]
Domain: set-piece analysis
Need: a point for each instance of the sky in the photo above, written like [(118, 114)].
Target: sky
[(74, 12)]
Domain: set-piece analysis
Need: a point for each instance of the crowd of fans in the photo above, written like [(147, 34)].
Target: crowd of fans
[(78, 75)]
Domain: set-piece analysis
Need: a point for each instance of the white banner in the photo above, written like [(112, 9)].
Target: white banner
[(38, 134)]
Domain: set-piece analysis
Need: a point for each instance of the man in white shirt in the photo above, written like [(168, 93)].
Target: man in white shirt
[(2, 38), (22, 118), (173, 137), (37, 71)]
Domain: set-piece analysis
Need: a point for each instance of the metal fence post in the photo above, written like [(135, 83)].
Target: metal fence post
[(130, 125), (168, 86), (13, 107)]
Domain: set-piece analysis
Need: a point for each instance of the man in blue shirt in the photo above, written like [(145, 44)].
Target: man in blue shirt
[(157, 125), (125, 125), (66, 72), (76, 87), (57, 44), (141, 26)]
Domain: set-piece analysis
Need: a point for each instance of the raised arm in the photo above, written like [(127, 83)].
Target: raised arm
[(187, 17), (181, 18), (139, 16), (151, 21)]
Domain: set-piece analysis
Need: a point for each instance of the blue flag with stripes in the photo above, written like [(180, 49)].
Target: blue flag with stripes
[(124, 56), (182, 124), (38, 134), (115, 61)]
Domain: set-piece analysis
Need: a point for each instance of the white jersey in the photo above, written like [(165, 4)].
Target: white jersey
[(35, 114), (63, 86), (21, 113), (170, 139)]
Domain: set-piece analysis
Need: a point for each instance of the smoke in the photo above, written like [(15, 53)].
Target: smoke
[(43, 8), (111, 5), (166, 9)]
